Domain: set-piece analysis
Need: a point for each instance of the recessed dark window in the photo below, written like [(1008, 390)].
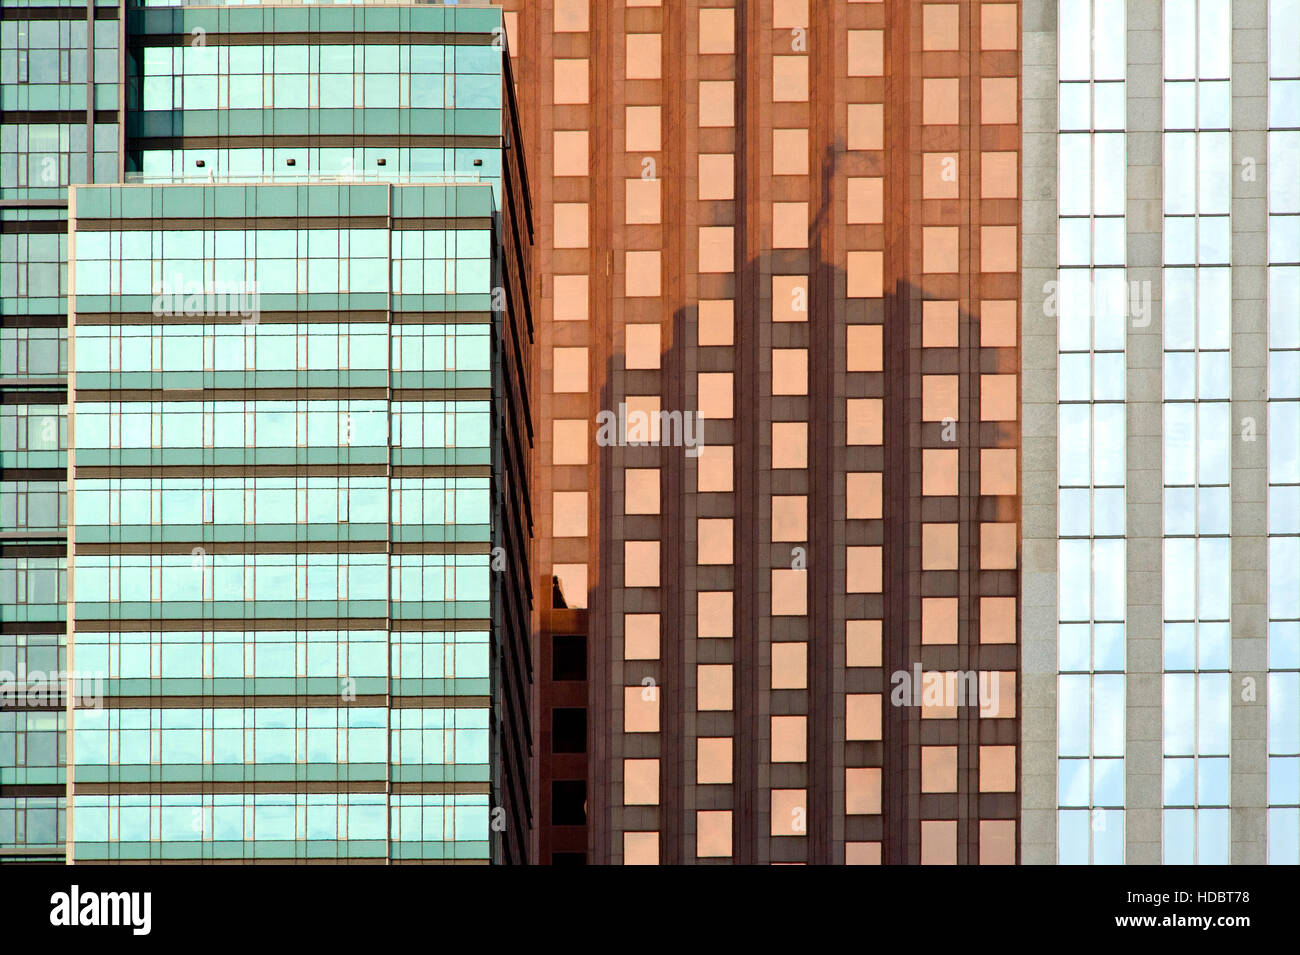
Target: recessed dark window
[(569, 802), (568, 657), (568, 858), (569, 729)]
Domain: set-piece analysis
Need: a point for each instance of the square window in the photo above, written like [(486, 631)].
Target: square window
[(789, 517), (640, 782), (862, 643), (644, 58), (998, 324), (717, 247), (789, 444), (939, 324), (998, 473), (713, 760), (862, 716), (640, 848), (570, 585), (570, 81), (789, 665), (998, 398), (998, 546), (569, 802), (997, 769), (570, 224), (997, 842), (938, 546), (789, 79), (713, 613), (866, 126), (642, 129), (939, 101), (569, 729), (569, 152), (715, 394), (570, 371), (938, 397), (863, 570), (640, 636), (999, 100), (569, 441), (570, 16), (862, 853), (789, 812), (866, 53), (570, 298), (717, 176), (789, 371), (713, 826), (789, 739), (641, 274), (865, 424), (789, 593), (716, 322), (1000, 701), (998, 27), (997, 620), (714, 537), (862, 791), (641, 201), (938, 842), (569, 514), (866, 200), (998, 248), (640, 709), (789, 225), (714, 686), (865, 275), (714, 468), (789, 152), (939, 176), (789, 298), (863, 498), (788, 14), (938, 472), (938, 769), (944, 683), (939, 249), (939, 26), (939, 621), (640, 563), (865, 348), (998, 176), (717, 103), (641, 491), (718, 31), (568, 657), (641, 345)]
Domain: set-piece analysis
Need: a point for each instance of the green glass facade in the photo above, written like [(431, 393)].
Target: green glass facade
[(60, 124), (294, 448)]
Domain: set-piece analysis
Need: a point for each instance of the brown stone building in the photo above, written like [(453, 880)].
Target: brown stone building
[(788, 229)]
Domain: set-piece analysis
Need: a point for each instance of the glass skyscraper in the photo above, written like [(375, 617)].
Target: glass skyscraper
[(296, 596), (1161, 278)]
